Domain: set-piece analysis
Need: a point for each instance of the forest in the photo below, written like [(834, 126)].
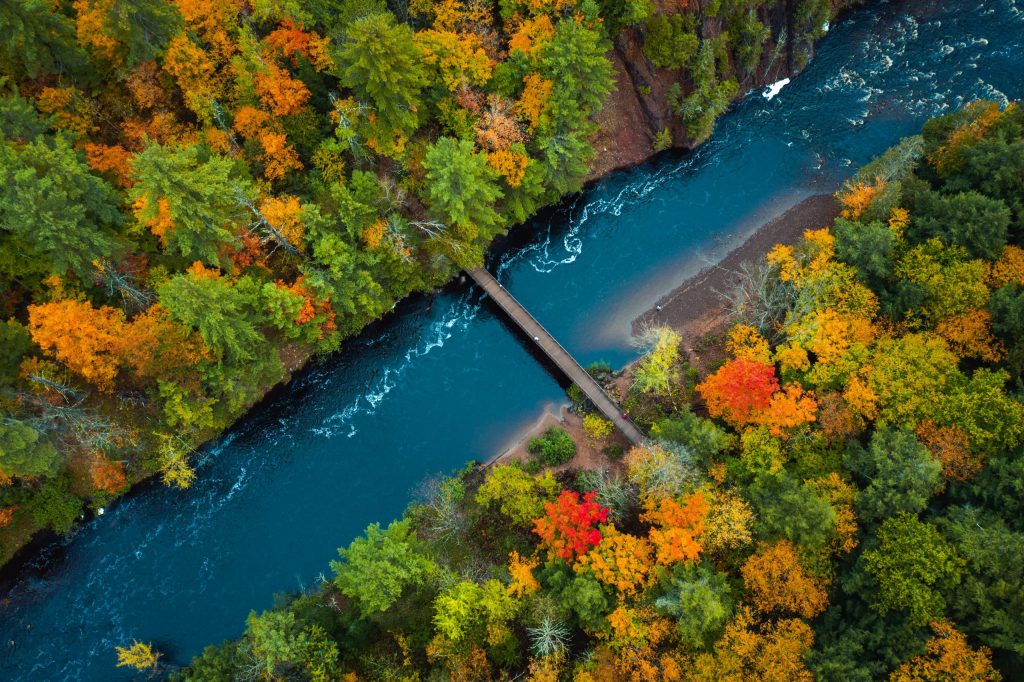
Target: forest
[(199, 196), (833, 492)]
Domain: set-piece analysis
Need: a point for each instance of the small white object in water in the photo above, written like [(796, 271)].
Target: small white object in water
[(825, 27), (100, 511), (775, 88)]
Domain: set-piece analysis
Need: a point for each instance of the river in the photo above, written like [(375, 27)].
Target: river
[(442, 380)]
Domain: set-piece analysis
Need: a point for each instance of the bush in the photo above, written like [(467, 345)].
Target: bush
[(597, 427), (662, 140), (552, 449), (614, 451)]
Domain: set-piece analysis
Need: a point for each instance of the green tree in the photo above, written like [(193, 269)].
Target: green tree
[(225, 315), (24, 452), (787, 508), (580, 593), (900, 472), (380, 62), (869, 247), (189, 197), (280, 644), (19, 120), (54, 505), (990, 597), (992, 420), (999, 488), (15, 342), (141, 28), (1007, 308), (375, 569), (554, 448), (700, 599), (463, 611), (978, 223), (35, 38), (710, 97), (854, 642), (574, 60), (462, 190), (913, 566), (671, 41), (702, 436), (52, 208), (564, 157)]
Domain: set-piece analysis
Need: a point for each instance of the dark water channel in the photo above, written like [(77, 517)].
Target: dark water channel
[(442, 380)]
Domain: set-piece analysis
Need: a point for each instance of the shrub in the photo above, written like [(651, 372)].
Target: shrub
[(552, 449)]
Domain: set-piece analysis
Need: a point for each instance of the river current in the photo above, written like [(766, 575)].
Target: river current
[(443, 380)]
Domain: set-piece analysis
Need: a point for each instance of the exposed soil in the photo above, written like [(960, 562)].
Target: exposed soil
[(588, 452), (688, 307)]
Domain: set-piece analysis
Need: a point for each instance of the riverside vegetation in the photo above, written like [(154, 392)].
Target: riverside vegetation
[(200, 195), (835, 494)]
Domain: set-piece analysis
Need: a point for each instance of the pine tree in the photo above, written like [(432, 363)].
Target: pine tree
[(382, 64)]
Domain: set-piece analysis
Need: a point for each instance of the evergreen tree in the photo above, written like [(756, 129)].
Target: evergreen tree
[(225, 315), (52, 208), (462, 190), (187, 197), (35, 38), (380, 62)]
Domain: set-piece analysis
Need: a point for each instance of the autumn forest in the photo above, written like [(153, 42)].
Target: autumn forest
[(202, 196)]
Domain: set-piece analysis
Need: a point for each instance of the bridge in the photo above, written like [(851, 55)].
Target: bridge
[(558, 355)]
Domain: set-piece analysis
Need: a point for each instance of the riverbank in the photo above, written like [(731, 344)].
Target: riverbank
[(690, 306), (695, 309)]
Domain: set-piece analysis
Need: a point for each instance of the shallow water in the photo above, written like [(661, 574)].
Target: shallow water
[(443, 379)]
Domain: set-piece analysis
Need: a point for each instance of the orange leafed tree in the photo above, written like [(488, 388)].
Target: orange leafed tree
[(1009, 268), (195, 72), (788, 408), (88, 340), (751, 651), (620, 560), (107, 475), (113, 159), (290, 41), (740, 390), (91, 27), (948, 657), (7, 515), (284, 213), (280, 92), (779, 585), (279, 158), (157, 347), (678, 524), (535, 100), (970, 336), (858, 196), (521, 570), (951, 446), (509, 164)]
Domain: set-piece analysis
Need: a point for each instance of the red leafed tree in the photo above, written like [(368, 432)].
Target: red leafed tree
[(569, 527), (739, 390)]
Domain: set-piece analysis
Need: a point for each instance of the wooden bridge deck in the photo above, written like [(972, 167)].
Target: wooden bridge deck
[(558, 355)]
